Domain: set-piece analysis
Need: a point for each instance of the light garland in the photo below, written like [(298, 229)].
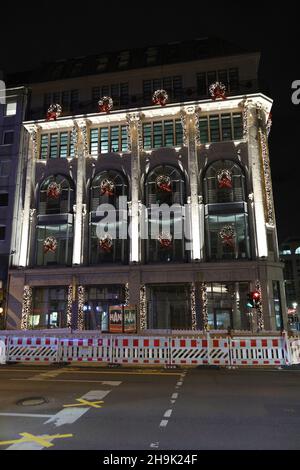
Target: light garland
[(126, 294), (160, 97), (143, 308), (259, 308), (193, 306), (81, 302), (267, 177), (105, 104), (203, 289), (54, 111), (26, 307), (69, 305)]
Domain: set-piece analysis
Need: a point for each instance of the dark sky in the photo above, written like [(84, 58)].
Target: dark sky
[(33, 32)]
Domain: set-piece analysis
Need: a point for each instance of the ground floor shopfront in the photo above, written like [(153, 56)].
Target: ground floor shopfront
[(177, 297)]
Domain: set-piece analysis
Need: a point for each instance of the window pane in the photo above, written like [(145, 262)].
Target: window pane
[(214, 128), (94, 140), (104, 140), (203, 125), (201, 84), (124, 143), (63, 147), (44, 146), (147, 141), (157, 134), (179, 133), (168, 133), (11, 108), (3, 199), (114, 139), (238, 126), (53, 145), (226, 127)]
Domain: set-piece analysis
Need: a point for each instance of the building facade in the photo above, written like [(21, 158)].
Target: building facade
[(209, 159), (290, 256), (12, 115)]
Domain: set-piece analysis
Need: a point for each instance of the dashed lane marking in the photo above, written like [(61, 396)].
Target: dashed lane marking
[(163, 423), (168, 413), (26, 415), (66, 416), (174, 396)]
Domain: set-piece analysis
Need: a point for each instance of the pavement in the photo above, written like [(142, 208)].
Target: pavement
[(91, 408)]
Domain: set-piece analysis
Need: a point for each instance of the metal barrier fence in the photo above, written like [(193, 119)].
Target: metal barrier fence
[(163, 350)]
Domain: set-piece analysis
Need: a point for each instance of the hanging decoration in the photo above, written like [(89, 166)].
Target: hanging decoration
[(105, 104), (217, 91), (165, 240), (227, 235), (50, 244), (54, 111), (224, 178), (106, 243), (53, 190), (163, 182), (160, 97), (107, 187), (26, 307)]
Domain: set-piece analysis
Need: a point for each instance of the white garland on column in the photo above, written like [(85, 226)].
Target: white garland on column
[(143, 308), (81, 302), (193, 305), (69, 305), (259, 308), (26, 307), (126, 294), (203, 289)]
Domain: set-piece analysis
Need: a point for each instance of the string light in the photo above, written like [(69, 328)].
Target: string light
[(193, 306), (26, 307), (81, 302), (143, 308), (69, 305), (259, 308), (203, 289)]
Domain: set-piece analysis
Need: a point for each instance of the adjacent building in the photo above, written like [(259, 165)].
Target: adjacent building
[(207, 158), (290, 255)]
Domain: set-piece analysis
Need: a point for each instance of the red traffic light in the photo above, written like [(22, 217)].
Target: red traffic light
[(255, 295)]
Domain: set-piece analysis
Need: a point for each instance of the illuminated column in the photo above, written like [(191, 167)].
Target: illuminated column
[(29, 188), (251, 133), (190, 124), (135, 146), (81, 151)]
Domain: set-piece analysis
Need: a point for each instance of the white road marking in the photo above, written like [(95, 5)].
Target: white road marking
[(27, 445), (112, 383), (95, 395), (168, 413), (163, 423), (173, 401), (26, 415), (63, 380), (67, 416), (179, 383), (175, 396), (46, 375)]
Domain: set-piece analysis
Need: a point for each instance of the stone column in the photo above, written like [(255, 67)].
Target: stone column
[(190, 123), (81, 151), (29, 190), (250, 114), (135, 146), (236, 307)]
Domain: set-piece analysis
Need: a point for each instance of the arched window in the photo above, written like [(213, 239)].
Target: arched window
[(224, 181), (56, 195), (106, 188), (226, 216), (165, 185), (165, 242), (297, 251), (54, 224)]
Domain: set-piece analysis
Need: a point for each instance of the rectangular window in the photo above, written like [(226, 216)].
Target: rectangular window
[(114, 139), (203, 127), (44, 147), (178, 133), (214, 125), (229, 77), (8, 137), (11, 108), (237, 126), (124, 96), (168, 133), (223, 77), (277, 305), (124, 139), (233, 79), (94, 141), (2, 232), (53, 145), (226, 127), (3, 199), (157, 135), (104, 140), (4, 168), (63, 145), (147, 136), (201, 84)]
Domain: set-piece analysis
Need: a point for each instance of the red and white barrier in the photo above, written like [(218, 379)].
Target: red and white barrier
[(189, 351), (218, 351), (257, 351), (141, 350), (3, 349), (295, 350), (33, 349), (86, 349)]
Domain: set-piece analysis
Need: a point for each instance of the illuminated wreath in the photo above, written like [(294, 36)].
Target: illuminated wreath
[(227, 235), (106, 243), (217, 90), (163, 182), (165, 240), (105, 104), (54, 111), (160, 97), (224, 178), (107, 187), (50, 244), (53, 190)]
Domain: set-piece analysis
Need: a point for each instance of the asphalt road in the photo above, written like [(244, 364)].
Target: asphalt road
[(148, 408)]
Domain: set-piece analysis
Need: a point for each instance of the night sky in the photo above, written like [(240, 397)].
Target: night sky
[(43, 31)]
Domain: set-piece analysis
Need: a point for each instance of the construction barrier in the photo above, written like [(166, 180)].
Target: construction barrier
[(33, 349), (160, 350), (257, 351)]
